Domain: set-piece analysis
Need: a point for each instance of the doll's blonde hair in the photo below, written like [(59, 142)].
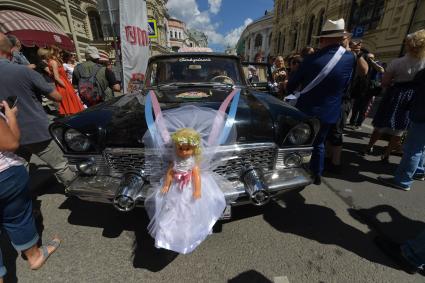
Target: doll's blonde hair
[(415, 43), (188, 136)]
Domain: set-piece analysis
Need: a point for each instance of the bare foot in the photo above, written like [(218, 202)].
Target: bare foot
[(45, 252)]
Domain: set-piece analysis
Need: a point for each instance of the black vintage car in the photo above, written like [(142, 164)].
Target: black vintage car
[(104, 143)]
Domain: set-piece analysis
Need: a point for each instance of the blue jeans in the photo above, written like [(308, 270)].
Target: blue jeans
[(414, 250), (16, 210), (413, 158), (317, 162)]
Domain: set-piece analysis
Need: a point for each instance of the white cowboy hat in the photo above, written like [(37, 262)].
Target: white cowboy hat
[(333, 29)]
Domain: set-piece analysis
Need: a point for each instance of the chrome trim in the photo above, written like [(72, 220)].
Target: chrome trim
[(104, 188), (128, 192)]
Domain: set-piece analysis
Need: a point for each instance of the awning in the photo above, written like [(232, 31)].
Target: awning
[(33, 31)]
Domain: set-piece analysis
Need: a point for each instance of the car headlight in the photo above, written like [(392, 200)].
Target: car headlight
[(76, 140), (299, 134)]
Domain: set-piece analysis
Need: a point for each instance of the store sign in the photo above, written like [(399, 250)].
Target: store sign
[(134, 34), (153, 29)]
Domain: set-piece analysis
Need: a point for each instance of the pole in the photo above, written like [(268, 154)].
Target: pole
[(114, 35), (71, 28)]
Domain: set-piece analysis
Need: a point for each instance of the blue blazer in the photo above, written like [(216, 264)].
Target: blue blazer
[(324, 100)]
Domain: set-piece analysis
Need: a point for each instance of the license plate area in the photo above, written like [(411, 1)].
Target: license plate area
[(227, 213)]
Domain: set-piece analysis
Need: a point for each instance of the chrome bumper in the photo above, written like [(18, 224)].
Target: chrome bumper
[(104, 188)]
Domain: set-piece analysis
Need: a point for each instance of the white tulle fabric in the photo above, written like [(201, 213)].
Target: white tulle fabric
[(178, 221)]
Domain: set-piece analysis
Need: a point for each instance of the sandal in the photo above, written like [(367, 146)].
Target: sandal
[(55, 243)]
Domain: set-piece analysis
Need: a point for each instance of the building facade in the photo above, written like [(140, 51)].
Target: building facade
[(181, 37), (199, 38), (385, 24), (83, 19), (157, 11), (295, 22), (381, 24), (257, 38)]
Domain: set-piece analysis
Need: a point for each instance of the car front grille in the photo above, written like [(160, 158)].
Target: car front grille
[(229, 161)]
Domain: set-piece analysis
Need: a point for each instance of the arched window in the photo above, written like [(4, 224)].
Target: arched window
[(95, 25), (295, 38), (249, 43), (310, 29), (270, 39), (180, 35), (258, 40), (175, 34), (171, 33), (321, 20), (278, 42)]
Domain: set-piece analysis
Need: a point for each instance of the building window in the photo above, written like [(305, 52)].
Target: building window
[(180, 35), (270, 40), (175, 34), (367, 14), (283, 44), (310, 29), (258, 40), (278, 42), (171, 34), (95, 25), (295, 38), (249, 43), (320, 23)]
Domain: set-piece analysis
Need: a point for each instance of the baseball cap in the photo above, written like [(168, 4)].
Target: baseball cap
[(92, 52)]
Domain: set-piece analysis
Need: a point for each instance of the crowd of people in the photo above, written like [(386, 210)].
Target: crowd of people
[(341, 80), (55, 76)]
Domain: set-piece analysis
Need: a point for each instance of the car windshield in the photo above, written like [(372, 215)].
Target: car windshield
[(193, 69)]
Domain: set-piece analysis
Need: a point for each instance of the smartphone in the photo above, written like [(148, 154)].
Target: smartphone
[(11, 101)]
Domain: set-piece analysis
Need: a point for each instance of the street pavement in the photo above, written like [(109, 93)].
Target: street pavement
[(325, 234)]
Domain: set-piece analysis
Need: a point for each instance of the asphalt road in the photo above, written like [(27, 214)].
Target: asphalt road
[(323, 235)]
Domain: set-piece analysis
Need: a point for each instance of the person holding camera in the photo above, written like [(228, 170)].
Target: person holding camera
[(26, 84), (369, 86), (15, 203)]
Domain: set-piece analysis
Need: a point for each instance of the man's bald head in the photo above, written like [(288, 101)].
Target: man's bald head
[(5, 46)]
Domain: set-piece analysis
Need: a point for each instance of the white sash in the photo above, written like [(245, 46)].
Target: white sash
[(292, 98)]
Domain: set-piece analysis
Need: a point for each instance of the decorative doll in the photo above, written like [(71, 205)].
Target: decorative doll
[(188, 202)]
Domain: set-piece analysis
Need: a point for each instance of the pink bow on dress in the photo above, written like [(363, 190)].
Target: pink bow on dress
[(183, 178)]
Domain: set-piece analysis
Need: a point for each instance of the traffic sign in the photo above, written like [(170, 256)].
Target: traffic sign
[(152, 28), (358, 31)]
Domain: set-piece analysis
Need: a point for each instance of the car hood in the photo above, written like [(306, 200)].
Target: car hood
[(121, 122)]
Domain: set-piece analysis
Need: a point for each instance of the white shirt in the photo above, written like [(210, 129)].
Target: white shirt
[(69, 69), (405, 68), (7, 158)]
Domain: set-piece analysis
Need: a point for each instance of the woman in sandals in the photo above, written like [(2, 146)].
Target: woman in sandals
[(15, 203), (392, 117)]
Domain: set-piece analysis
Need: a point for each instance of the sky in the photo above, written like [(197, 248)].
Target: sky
[(221, 20)]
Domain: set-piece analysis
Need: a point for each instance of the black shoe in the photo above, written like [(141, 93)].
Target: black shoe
[(317, 180), (419, 177), (367, 151), (392, 249)]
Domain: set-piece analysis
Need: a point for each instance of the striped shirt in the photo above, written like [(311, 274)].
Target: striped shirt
[(7, 158)]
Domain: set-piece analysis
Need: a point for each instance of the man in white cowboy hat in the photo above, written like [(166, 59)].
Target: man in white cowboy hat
[(322, 80)]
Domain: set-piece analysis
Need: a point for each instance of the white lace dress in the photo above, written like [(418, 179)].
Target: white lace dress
[(178, 221)]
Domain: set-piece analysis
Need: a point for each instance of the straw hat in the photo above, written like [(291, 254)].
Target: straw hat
[(333, 29)]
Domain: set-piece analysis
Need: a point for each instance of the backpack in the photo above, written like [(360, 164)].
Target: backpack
[(417, 106), (89, 88)]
